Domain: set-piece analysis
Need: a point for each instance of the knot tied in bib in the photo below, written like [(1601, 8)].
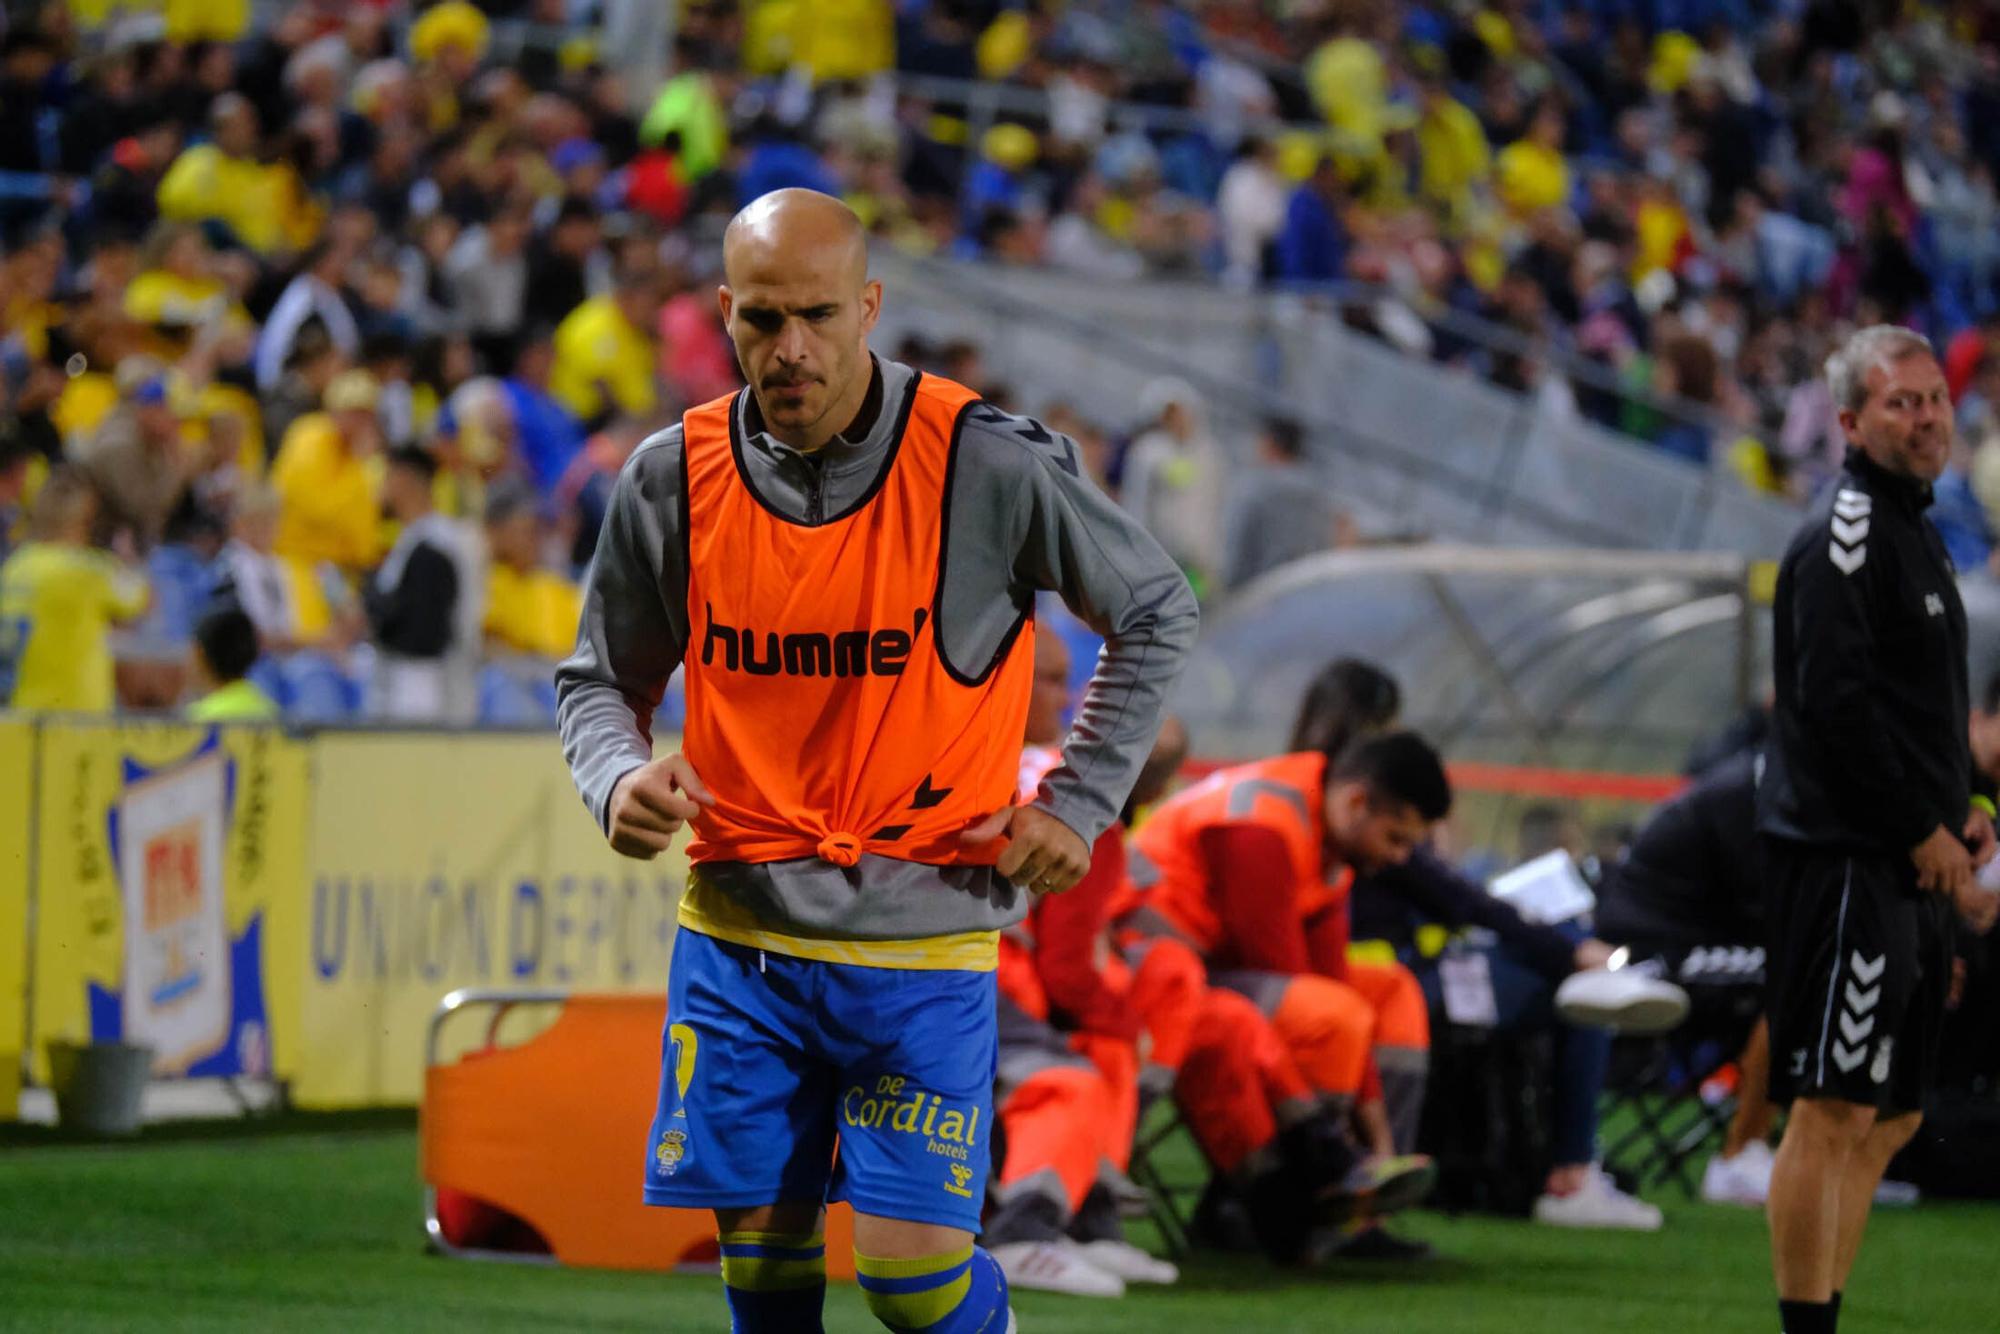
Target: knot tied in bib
[(840, 849)]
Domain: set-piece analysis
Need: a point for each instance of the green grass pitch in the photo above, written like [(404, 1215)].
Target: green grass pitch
[(314, 1225)]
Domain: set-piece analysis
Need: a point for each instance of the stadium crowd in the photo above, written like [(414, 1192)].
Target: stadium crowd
[(248, 267)]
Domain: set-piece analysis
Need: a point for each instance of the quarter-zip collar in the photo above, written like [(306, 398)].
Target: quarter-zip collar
[(813, 488), (1912, 494)]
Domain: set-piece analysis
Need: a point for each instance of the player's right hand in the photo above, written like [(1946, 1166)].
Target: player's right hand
[(650, 804), (1943, 864)]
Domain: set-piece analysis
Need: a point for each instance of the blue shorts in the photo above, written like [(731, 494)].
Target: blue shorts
[(767, 1058)]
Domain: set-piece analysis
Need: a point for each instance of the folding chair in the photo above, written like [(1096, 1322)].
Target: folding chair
[(1653, 1101), (550, 1131), (1486, 1120), (1170, 1203)]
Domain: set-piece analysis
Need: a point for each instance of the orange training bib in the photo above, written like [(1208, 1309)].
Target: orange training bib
[(820, 710)]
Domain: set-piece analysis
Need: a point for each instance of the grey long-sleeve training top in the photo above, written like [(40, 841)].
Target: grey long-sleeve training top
[(1022, 517)]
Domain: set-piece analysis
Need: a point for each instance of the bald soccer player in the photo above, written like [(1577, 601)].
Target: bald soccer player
[(843, 558)]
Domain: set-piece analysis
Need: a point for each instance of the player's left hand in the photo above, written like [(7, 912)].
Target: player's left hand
[(1979, 838), (1043, 854)]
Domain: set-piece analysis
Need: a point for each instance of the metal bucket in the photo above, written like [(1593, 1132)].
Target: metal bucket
[(99, 1086)]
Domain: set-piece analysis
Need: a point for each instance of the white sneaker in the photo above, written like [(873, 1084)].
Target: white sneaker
[(1128, 1262), (1621, 1000), (1744, 1179), (1598, 1203), (1055, 1266)]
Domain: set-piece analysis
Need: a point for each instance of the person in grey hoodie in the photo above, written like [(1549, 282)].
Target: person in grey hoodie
[(833, 972)]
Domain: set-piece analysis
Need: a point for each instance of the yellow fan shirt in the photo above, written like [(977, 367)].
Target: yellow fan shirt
[(57, 605)]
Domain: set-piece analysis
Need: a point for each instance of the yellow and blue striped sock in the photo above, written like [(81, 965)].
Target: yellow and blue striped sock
[(959, 1292), (776, 1281)]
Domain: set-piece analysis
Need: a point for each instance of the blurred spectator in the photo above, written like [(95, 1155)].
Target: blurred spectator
[(1312, 247), (778, 158), (59, 598), (126, 185), (325, 482), (546, 436), (1960, 519), (423, 292), (604, 355), (566, 265), (828, 40), (387, 356), (583, 496), (1978, 412), (1687, 368), (487, 276), (225, 649), (998, 180), (1456, 161), (653, 185), (413, 600), (222, 182), (1279, 510), (1079, 243), (1969, 349), (528, 609), (1531, 174), (1251, 208), (28, 183), (177, 289), (313, 364), (377, 304), (250, 576), (1347, 76), (314, 295), (134, 460), (1174, 480), (689, 108), (697, 360)]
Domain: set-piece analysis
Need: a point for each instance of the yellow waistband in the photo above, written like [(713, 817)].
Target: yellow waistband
[(714, 913)]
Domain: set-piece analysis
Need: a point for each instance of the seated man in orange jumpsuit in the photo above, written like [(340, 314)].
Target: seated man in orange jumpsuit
[(1108, 1003), (1068, 1101), (1250, 869), (1252, 1112)]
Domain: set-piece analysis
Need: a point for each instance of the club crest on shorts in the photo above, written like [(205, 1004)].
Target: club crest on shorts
[(1879, 1072), (673, 1147)]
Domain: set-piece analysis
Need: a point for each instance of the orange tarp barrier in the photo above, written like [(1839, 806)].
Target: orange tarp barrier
[(554, 1131)]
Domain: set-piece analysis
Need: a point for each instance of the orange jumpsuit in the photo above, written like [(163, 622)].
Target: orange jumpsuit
[(1235, 869)]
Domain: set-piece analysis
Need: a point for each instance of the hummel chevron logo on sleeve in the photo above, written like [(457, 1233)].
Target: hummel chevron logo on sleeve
[(1849, 549)]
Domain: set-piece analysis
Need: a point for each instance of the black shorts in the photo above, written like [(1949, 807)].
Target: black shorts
[(1858, 971)]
